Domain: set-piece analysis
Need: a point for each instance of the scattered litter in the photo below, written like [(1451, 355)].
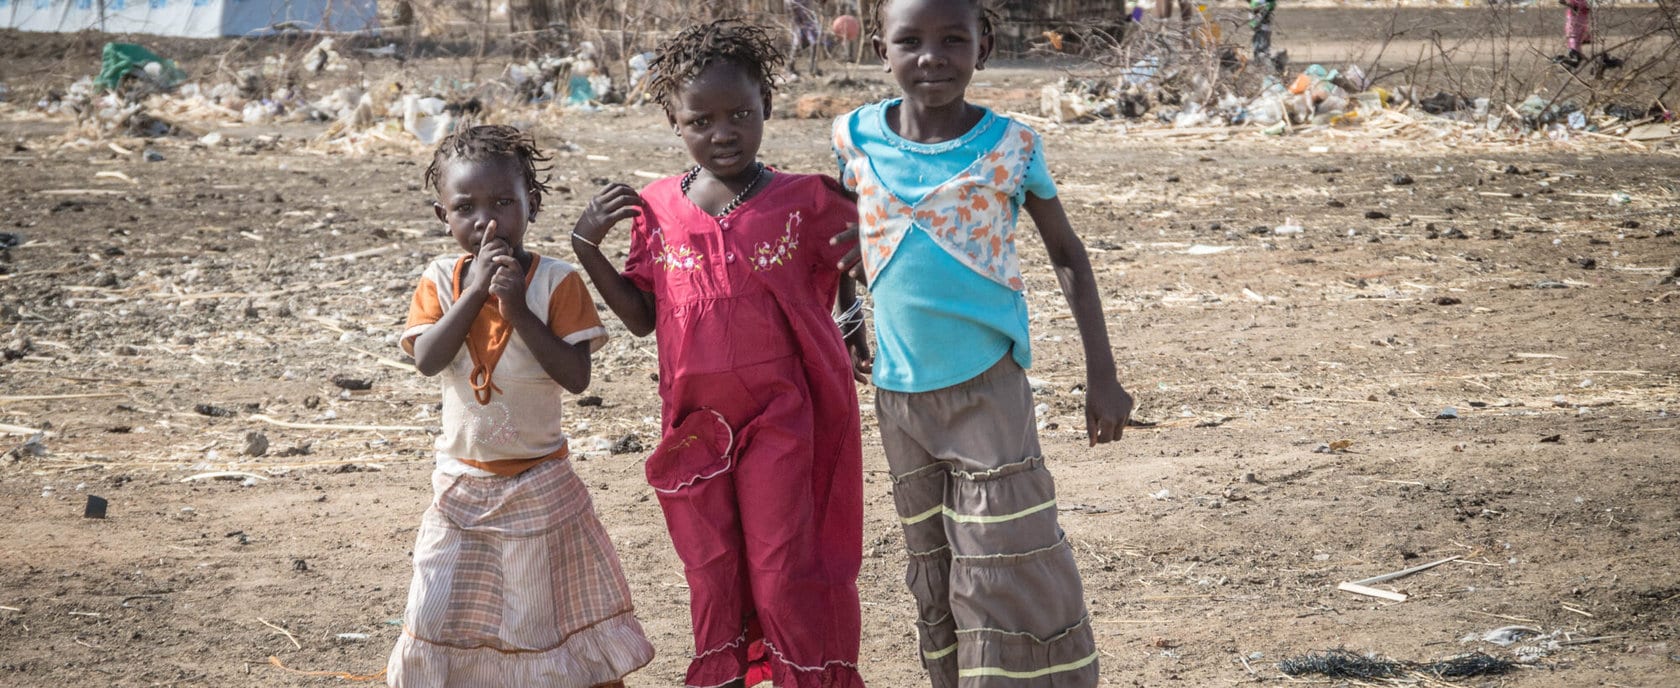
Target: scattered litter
[(1505, 636), (628, 444), (256, 444), (1448, 413), (95, 507), (120, 62), (1341, 663), (1204, 250), (351, 383)]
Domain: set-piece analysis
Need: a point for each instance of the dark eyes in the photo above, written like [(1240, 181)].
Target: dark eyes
[(467, 207), (914, 42), (703, 122)]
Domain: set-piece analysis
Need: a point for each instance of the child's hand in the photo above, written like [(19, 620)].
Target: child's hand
[(1107, 409), (852, 262), (508, 286), (863, 361), (485, 265), (616, 203)]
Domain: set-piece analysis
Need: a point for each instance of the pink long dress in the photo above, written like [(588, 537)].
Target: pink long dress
[(760, 470), (1577, 24)]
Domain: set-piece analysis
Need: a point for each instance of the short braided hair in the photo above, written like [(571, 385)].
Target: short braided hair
[(986, 14), (681, 58), (487, 142)]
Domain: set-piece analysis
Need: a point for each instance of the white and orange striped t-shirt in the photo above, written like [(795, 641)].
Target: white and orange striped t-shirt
[(499, 405)]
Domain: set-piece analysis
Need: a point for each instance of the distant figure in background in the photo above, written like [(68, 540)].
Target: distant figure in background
[(807, 32), (1186, 9), (1577, 29), (1577, 32), (1260, 19)]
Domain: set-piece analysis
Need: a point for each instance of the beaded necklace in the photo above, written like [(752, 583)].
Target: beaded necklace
[(688, 180)]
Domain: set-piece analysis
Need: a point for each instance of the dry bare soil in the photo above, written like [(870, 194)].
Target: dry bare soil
[(1292, 385)]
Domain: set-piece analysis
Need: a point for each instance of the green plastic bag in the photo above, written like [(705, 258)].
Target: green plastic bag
[(120, 59)]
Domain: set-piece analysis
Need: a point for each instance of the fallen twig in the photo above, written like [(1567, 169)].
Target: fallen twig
[(55, 397), (323, 426), (289, 636), (222, 475), (19, 430), (337, 674), (1384, 578), (1358, 589)]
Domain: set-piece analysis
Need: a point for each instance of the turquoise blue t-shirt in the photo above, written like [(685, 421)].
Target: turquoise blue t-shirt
[(937, 321)]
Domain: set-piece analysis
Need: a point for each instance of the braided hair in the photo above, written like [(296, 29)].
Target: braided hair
[(681, 58), (987, 15), (488, 142)]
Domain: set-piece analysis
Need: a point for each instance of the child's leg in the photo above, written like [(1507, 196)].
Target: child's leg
[(690, 470), (919, 481), (996, 582), (802, 521)]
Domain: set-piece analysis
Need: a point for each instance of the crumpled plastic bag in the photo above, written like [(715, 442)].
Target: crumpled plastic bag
[(119, 60)]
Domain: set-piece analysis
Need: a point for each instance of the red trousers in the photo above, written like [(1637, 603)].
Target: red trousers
[(768, 524)]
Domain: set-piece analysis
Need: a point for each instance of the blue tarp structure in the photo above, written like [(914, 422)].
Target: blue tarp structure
[(189, 18)]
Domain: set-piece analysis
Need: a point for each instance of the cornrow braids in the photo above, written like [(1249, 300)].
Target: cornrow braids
[(486, 142), (988, 16), (681, 58)]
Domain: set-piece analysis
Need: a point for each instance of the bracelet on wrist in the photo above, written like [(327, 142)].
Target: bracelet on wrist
[(582, 238)]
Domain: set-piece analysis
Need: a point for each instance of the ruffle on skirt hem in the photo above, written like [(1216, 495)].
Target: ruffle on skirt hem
[(605, 652), (992, 658), (764, 666), (836, 675)]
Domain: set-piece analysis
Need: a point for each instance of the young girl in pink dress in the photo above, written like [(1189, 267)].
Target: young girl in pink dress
[(759, 472)]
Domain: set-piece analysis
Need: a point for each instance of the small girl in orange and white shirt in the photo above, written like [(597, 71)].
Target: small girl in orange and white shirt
[(515, 582)]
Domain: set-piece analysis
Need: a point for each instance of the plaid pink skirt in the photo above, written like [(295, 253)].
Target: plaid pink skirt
[(516, 584)]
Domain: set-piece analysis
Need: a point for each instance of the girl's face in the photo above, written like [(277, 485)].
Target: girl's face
[(471, 193), (720, 117), (933, 48)]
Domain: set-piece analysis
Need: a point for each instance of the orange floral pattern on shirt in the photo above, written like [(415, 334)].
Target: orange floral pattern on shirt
[(971, 215)]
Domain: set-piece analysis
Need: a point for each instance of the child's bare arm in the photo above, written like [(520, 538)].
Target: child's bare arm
[(437, 346), (613, 205), (1107, 404), (857, 334), (567, 364)]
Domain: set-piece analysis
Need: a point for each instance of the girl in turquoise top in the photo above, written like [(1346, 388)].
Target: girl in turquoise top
[(940, 184)]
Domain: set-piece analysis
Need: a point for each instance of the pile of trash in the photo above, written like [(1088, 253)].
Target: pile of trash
[(1321, 97), (576, 81), (140, 94), (1317, 96)]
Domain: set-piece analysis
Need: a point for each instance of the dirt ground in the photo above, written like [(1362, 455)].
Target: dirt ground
[(1469, 351)]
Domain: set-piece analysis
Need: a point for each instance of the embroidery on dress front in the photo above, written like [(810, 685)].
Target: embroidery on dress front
[(682, 257), (771, 254)]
